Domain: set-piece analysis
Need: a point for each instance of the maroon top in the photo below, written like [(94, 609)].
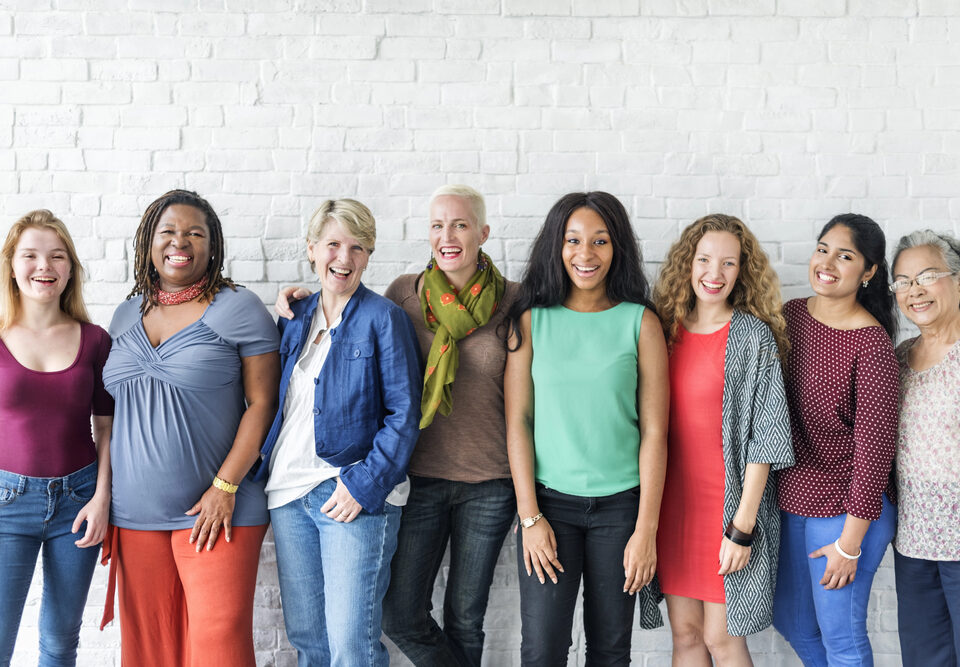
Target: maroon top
[(842, 391), (45, 417)]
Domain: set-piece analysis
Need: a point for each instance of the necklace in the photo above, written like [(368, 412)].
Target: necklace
[(176, 298)]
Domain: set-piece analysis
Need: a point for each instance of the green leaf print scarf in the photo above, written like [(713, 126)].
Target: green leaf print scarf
[(453, 315)]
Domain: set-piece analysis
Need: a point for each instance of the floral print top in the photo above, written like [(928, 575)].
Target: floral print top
[(928, 458)]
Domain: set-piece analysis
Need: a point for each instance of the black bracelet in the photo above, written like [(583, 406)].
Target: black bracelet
[(738, 536)]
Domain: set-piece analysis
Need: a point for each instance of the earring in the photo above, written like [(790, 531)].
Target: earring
[(481, 260), (865, 284)]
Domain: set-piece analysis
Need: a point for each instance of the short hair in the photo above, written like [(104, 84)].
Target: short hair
[(71, 301), (948, 246), (354, 216), (473, 198)]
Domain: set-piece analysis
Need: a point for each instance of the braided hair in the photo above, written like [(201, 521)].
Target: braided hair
[(146, 279)]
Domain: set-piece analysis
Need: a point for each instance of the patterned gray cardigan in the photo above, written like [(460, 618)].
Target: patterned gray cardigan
[(756, 429)]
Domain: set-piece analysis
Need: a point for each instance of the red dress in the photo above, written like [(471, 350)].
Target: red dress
[(691, 514)]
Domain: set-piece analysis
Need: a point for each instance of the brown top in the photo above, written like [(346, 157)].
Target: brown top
[(469, 445)]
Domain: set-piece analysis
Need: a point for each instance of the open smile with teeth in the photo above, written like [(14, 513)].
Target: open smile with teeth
[(450, 252), (44, 279), (920, 306), (340, 273), (826, 277), (179, 260), (585, 270), (710, 287)]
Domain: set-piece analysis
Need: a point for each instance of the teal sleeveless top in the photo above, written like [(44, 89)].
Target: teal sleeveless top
[(586, 434)]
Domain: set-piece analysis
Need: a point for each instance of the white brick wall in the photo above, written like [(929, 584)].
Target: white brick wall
[(784, 112)]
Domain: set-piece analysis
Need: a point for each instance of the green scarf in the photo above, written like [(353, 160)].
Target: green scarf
[(453, 315)]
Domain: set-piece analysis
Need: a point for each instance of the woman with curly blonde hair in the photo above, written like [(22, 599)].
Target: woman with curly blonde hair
[(729, 426)]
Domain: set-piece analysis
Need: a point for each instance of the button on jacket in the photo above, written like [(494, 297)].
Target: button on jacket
[(367, 398)]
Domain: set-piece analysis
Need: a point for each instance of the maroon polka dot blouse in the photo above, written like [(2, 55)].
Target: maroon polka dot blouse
[(842, 392)]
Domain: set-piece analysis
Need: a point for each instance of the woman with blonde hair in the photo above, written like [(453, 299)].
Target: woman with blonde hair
[(54, 477), (338, 449), (719, 301)]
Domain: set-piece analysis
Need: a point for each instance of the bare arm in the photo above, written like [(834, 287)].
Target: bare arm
[(734, 557), (842, 571), (261, 379), (653, 401), (286, 296), (539, 543), (97, 512)]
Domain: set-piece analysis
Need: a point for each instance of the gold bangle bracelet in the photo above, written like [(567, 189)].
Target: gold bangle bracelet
[(224, 485)]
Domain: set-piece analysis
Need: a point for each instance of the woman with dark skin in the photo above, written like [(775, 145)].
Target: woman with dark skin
[(194, 372)]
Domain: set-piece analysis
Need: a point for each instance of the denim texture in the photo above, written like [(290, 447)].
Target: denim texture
[(367, 402), (474, 519), (36, 514), (928, 610), (591, 535), (827, 627), (333, 577)]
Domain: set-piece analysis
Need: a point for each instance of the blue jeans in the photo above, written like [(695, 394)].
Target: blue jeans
[(474, 518), (591, 534), (827, 627), (928, 610), (333, 577), (39, 512)]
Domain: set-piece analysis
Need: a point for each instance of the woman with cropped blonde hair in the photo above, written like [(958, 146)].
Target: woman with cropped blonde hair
[(54, 477), (337, 451), (719, 301)]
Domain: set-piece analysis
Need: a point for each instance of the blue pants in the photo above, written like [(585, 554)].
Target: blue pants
[(474, 518), (827, 627), (35, 513), (591, 535), (333, 577), (928, 610)]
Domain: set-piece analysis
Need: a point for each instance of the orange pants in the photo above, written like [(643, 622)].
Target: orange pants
[(180, 608)]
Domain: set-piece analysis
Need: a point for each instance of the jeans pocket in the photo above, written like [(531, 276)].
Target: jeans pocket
[(83, 492), (7, 495)]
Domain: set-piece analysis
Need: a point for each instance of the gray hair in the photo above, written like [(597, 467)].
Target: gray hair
[(948, 246), (473, 198)]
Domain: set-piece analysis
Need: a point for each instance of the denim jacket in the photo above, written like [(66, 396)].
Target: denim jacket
[(367, 399)]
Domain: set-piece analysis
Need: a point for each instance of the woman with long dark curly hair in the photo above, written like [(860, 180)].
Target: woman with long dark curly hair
[(841, 380), (720, 303), (586, 406)]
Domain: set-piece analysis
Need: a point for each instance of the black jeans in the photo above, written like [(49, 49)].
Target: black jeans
[(591, 536), (474, 519)]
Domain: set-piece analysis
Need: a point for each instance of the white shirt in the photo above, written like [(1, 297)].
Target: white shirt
[(295, 468)]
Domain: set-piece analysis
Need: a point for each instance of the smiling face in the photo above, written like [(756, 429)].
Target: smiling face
[(927, 305), (338, 258), (455, 238), (837, 268), (716, 265), (41, 265), (181, 247), (587, 252)]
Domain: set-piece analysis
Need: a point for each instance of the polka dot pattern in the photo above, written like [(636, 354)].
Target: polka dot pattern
[(842, 392)]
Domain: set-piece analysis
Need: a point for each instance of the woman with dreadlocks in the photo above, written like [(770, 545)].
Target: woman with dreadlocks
[(194, 371)]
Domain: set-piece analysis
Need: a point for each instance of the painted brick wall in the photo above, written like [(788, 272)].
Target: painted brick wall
[(783, 112)]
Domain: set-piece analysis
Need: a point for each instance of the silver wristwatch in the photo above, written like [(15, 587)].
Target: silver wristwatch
[(530, 520)]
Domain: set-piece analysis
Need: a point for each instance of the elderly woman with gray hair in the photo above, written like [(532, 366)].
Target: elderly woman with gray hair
[(927, 546), (338, 448)]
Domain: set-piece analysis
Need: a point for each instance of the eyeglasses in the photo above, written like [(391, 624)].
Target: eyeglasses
[(924, 280)]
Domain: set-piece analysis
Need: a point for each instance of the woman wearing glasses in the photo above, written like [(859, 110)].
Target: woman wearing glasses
[(841, 381), (927, 546)]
